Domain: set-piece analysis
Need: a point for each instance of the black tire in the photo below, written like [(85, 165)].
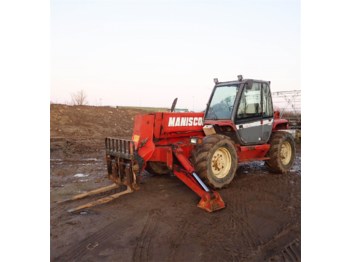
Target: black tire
[(219, 173), (157, 168), (281, 153)]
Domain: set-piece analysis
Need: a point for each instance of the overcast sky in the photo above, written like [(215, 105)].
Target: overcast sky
[(146, 53)]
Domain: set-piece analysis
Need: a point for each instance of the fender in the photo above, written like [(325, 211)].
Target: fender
[(279, 124)]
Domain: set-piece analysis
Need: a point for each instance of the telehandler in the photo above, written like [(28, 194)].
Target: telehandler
[(202, 149)]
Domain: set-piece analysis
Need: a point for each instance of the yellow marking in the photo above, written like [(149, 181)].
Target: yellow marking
[(136, 138)]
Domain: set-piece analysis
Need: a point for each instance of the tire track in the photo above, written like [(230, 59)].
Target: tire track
[(285, 246), (188, 226), (250, 237), (239, 217), (141, 252), (242, 196), (292, 252), (238, 227), (183, 232), (76, 252)]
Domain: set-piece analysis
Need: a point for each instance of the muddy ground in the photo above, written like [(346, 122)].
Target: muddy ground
[(161, 222)]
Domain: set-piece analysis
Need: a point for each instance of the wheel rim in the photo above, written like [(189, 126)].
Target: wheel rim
[(221, 162), (286, 153)]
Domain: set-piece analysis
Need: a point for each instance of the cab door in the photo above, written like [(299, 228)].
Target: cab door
[(249, 116)]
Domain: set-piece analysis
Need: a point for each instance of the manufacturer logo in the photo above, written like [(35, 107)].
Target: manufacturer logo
[(185, 121)]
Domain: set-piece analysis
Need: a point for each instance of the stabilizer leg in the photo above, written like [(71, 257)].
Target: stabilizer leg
[(210, 200)]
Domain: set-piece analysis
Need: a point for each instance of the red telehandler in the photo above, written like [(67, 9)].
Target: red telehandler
[(202, 149)]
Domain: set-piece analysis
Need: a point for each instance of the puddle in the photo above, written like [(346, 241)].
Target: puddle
[(80, 175)]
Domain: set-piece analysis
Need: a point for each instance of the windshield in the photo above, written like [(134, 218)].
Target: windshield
[(221, 104)]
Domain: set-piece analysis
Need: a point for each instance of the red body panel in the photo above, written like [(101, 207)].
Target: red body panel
[(169, 125), (252, 153), (143, 136), (155, 134), (163, 154)]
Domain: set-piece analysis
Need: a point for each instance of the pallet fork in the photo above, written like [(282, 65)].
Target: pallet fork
[(98, 201)]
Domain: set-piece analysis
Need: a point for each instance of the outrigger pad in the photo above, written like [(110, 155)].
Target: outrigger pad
[(211, 201)]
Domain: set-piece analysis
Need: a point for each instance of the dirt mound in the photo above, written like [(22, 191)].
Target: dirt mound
[(82, 129)]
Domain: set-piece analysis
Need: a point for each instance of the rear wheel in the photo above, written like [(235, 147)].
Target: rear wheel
[(281, 153), (215, 160)]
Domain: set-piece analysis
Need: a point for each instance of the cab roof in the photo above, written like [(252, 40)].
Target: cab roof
[(240, 82)]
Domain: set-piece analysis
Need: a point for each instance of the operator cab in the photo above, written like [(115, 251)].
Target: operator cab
[(240, 109)]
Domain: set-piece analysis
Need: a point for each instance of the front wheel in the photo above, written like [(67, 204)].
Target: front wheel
[(215, 160), (157, 168), (281, 153)]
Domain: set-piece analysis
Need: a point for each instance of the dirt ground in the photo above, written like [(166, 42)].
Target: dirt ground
[(161, 221)]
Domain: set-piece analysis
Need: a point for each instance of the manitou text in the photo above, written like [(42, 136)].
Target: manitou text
[(185, 121)]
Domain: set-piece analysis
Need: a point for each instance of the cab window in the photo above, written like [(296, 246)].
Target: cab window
[(267, 101), (250, 104)]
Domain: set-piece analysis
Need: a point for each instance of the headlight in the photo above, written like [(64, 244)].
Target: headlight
[(196, 140)]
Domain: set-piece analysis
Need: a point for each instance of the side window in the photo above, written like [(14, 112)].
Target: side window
[(267, 101), (250, 104)]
